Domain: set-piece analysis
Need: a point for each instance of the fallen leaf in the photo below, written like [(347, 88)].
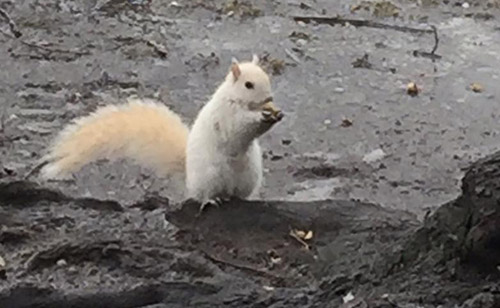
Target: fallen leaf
[(300, 233), (476, 87), (309, 235), (346, 122)]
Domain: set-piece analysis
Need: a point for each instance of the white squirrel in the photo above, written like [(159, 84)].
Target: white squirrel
[(220, 156)]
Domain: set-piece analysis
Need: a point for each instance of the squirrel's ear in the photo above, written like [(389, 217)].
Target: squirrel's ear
[(255, 59), (235, 69)]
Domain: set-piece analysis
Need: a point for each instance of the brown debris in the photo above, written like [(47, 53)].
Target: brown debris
[(274, 66), (242, 9), (332, 21), (476, 87), (381, 9), (298, 35), (362, 62), (346, 122), (385, 9), (302, 236), (412, 89), (159, 49)]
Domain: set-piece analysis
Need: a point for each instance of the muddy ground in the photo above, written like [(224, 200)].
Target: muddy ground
[(110, 237)]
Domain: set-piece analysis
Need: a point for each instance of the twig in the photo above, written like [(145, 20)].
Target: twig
[(358, 23), (259, 272), (12, 24), (292, 234), (159, 49), (436, 39), (75, 52), (35, 170), (431, 55), (292, 56)]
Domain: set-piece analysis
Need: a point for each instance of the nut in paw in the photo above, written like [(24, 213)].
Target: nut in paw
[(271, 113)]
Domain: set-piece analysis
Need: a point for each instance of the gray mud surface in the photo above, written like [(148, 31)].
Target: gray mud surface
[(116, 236)]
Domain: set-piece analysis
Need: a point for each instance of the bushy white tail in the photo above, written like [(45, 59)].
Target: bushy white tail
[(147, 132)]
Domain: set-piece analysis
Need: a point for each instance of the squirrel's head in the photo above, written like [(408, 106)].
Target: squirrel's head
[(250, 87)]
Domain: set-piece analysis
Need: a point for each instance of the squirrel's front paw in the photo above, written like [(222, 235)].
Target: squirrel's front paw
[(271, 114)]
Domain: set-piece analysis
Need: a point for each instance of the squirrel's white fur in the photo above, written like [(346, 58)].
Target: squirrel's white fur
[(220, 156)]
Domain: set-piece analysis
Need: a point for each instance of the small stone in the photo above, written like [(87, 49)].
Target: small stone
[(268, 288), (327, 122), (374, 156), (476, 87), (61, 263), (301, 42), (339, 90), (175, 4), (349, 297)]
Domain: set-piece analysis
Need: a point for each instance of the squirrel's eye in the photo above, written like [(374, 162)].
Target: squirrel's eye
[(249, 85)]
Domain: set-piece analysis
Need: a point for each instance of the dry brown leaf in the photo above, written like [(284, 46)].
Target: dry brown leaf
[(476, 87), (300, 233), (346, 122)]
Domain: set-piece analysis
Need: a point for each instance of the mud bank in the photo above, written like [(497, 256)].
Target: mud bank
[(70, 252)]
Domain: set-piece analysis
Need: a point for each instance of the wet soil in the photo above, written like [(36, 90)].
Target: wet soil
[(409, 233)]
